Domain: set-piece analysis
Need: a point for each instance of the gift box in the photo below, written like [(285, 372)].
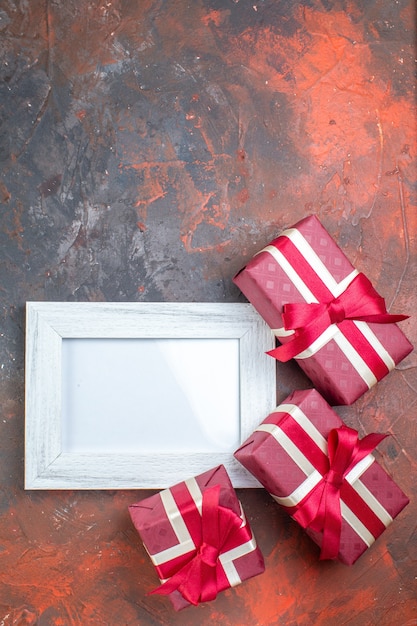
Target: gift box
[(324, 312), (198, 538), (327, 479)]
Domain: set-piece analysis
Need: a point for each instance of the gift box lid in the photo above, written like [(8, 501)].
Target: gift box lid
[(305, 266), (290, 454)]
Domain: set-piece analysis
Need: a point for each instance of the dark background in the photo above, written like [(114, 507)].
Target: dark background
[(147, 150)]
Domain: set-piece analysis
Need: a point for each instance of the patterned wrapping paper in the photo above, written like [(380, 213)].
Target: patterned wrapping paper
[(304, 265), (170, 525), (291, 471)]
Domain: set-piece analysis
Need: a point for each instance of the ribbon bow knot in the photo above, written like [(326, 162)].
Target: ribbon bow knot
[(197, 579), (334, 478), (336, 311), (208, 554), (358, 302), (320, 510)]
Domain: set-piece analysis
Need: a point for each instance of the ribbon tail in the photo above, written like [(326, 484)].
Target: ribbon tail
[(331, 539), (209, 589), (183, 582), (281, 354), (380, 318), (363, 303), (322, 514), (301, 340), (196, 582)]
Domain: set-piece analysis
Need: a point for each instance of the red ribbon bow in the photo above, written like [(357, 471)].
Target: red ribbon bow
[(321, 510), (358, 302), (197, 579)]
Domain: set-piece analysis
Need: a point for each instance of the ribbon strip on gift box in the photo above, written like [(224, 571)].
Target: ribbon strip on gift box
[(307, 447), (317, 285), (194, 566)]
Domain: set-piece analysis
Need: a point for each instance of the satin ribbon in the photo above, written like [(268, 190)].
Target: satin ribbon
[(197, 579), (358, 302), (320, 510)]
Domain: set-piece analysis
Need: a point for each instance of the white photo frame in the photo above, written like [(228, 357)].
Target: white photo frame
[(51, 463)]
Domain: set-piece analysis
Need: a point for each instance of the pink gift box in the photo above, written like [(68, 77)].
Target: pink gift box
[(170, 526), (304, 265), (288, 452)]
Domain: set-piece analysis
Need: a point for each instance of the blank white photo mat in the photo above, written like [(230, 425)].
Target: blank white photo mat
[(142, 395)]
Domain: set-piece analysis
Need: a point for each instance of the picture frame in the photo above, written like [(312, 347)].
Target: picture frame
[(50, 463)]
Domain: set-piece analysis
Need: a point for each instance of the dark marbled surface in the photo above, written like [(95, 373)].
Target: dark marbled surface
[(147, 150)]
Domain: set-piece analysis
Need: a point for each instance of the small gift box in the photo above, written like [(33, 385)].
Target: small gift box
[(198, 538), (323, 475), (324, 312)]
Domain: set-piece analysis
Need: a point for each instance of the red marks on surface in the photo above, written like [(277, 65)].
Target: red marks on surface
[(151, 189), (294, 64), (346, 120), (93, 544), (16, 230), (21, 616), (243, 196), (171, 181), (5, 194), (275, 587), (347, 115), (206, 213), (215, 17)]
